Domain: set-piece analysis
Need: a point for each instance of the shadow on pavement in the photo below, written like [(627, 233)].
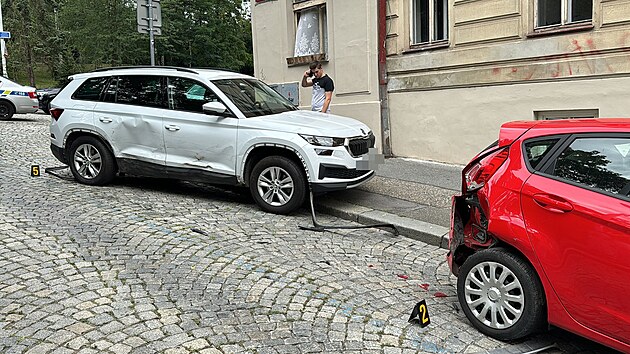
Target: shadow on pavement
[(197, 189)]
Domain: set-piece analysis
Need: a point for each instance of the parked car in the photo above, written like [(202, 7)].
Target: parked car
[(15, 98), (45, 96), (205, 125), (541, 232)]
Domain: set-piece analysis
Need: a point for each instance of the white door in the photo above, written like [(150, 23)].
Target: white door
[(130, 118), (194, 141)]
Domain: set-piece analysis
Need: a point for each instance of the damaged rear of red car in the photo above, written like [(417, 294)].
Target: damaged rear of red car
[(528, 228), (469, 223)]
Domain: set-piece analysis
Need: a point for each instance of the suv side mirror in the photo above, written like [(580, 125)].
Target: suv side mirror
[(216, 109)]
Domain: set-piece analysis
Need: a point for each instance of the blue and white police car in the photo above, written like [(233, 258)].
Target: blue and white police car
[(15, 98)]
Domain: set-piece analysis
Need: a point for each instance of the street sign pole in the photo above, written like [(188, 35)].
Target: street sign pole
[(151, 37), (2, 48), (150, 20)]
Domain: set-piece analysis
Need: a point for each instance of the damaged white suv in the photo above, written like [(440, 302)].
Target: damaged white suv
[(205, 125)]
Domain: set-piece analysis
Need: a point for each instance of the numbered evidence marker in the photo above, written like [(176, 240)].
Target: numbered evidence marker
[(420, 314), (35, 171)]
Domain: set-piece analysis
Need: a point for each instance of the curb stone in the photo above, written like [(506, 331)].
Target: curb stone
[(432, 234)]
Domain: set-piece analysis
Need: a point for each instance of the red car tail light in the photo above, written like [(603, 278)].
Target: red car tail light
[(56, 113), (32, 95), (480, 172)]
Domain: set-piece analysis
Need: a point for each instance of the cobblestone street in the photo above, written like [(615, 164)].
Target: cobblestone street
[(145, 266)]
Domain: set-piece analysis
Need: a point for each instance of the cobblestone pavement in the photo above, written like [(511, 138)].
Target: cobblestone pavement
[(144, 266)]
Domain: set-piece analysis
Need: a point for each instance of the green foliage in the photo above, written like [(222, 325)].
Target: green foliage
[(205, 33), (52, 39), (42, 74), (102, 32), (28, 21)]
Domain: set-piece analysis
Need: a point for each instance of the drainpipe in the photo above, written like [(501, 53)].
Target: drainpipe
[(382, 78)]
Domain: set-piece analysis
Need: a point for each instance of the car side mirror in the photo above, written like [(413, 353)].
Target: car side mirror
[(216, 109)]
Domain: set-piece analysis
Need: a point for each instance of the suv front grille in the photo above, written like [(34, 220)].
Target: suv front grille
[(360, 146)]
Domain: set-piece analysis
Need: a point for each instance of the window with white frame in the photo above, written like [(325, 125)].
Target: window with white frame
[(563, 12), (311, 27), (429, 21)]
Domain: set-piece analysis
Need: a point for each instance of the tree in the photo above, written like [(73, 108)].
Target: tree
[(64, 37), (205, 33), (102, 32), (31, 23)]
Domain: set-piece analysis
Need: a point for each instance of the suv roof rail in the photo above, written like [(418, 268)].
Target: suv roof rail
[(219, 69), (146, 67)]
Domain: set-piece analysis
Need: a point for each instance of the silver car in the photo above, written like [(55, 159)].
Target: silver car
[(15, 98)]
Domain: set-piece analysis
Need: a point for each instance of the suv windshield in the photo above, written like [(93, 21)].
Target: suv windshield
[(253, 97)]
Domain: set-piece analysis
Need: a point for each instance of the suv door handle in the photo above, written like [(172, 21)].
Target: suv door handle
[(172, 128), (105, 119), (553, 203)]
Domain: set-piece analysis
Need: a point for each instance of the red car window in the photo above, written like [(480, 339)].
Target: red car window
[(600, 163), (537, 150)]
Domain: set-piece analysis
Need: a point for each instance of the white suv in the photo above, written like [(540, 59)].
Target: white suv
[(205, 125)]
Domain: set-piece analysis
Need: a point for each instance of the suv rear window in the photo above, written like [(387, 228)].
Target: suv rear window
[(91, 89), (138, 90)]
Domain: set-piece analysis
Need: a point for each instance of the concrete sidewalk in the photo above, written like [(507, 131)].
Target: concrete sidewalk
[(413, 195)]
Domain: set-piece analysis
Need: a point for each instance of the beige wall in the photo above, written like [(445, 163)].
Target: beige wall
[(352, 55), (453, 125), (446, 104)]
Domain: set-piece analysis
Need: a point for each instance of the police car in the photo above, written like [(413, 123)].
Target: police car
[(15, 98)]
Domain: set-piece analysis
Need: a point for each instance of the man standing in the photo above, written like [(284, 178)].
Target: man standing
[(323, 87)]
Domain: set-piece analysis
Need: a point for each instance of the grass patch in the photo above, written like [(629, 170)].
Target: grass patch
[(43, 77)]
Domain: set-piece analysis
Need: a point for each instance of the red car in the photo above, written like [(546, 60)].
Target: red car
[(541, 233)]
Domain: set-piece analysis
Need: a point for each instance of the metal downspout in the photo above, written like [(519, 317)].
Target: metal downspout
[(382, 78)]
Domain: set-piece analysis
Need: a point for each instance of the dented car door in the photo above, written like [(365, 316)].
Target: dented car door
[(130, 117), (196, 141)]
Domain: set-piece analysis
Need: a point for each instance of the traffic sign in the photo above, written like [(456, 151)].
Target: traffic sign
[(149, 21), (143, 14), (5, 35), (145, 29)]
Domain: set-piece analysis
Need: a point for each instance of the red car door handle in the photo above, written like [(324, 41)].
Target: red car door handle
[(553, 203)]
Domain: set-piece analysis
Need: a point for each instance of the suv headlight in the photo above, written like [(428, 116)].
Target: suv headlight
[(323, 140)]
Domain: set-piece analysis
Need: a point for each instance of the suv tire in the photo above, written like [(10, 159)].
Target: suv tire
[(278, 185), (6, 110), (91, 162), (486, 280)]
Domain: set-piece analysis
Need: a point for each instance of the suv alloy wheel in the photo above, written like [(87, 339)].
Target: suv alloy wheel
[(278, 185), (91, 162)]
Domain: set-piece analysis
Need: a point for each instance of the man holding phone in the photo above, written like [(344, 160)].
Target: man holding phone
[(323, 87)]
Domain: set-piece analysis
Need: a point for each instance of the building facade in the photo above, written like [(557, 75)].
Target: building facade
[(342, 34), (455, 70)]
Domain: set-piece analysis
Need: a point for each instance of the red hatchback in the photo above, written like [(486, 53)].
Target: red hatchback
[(541, 232)]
